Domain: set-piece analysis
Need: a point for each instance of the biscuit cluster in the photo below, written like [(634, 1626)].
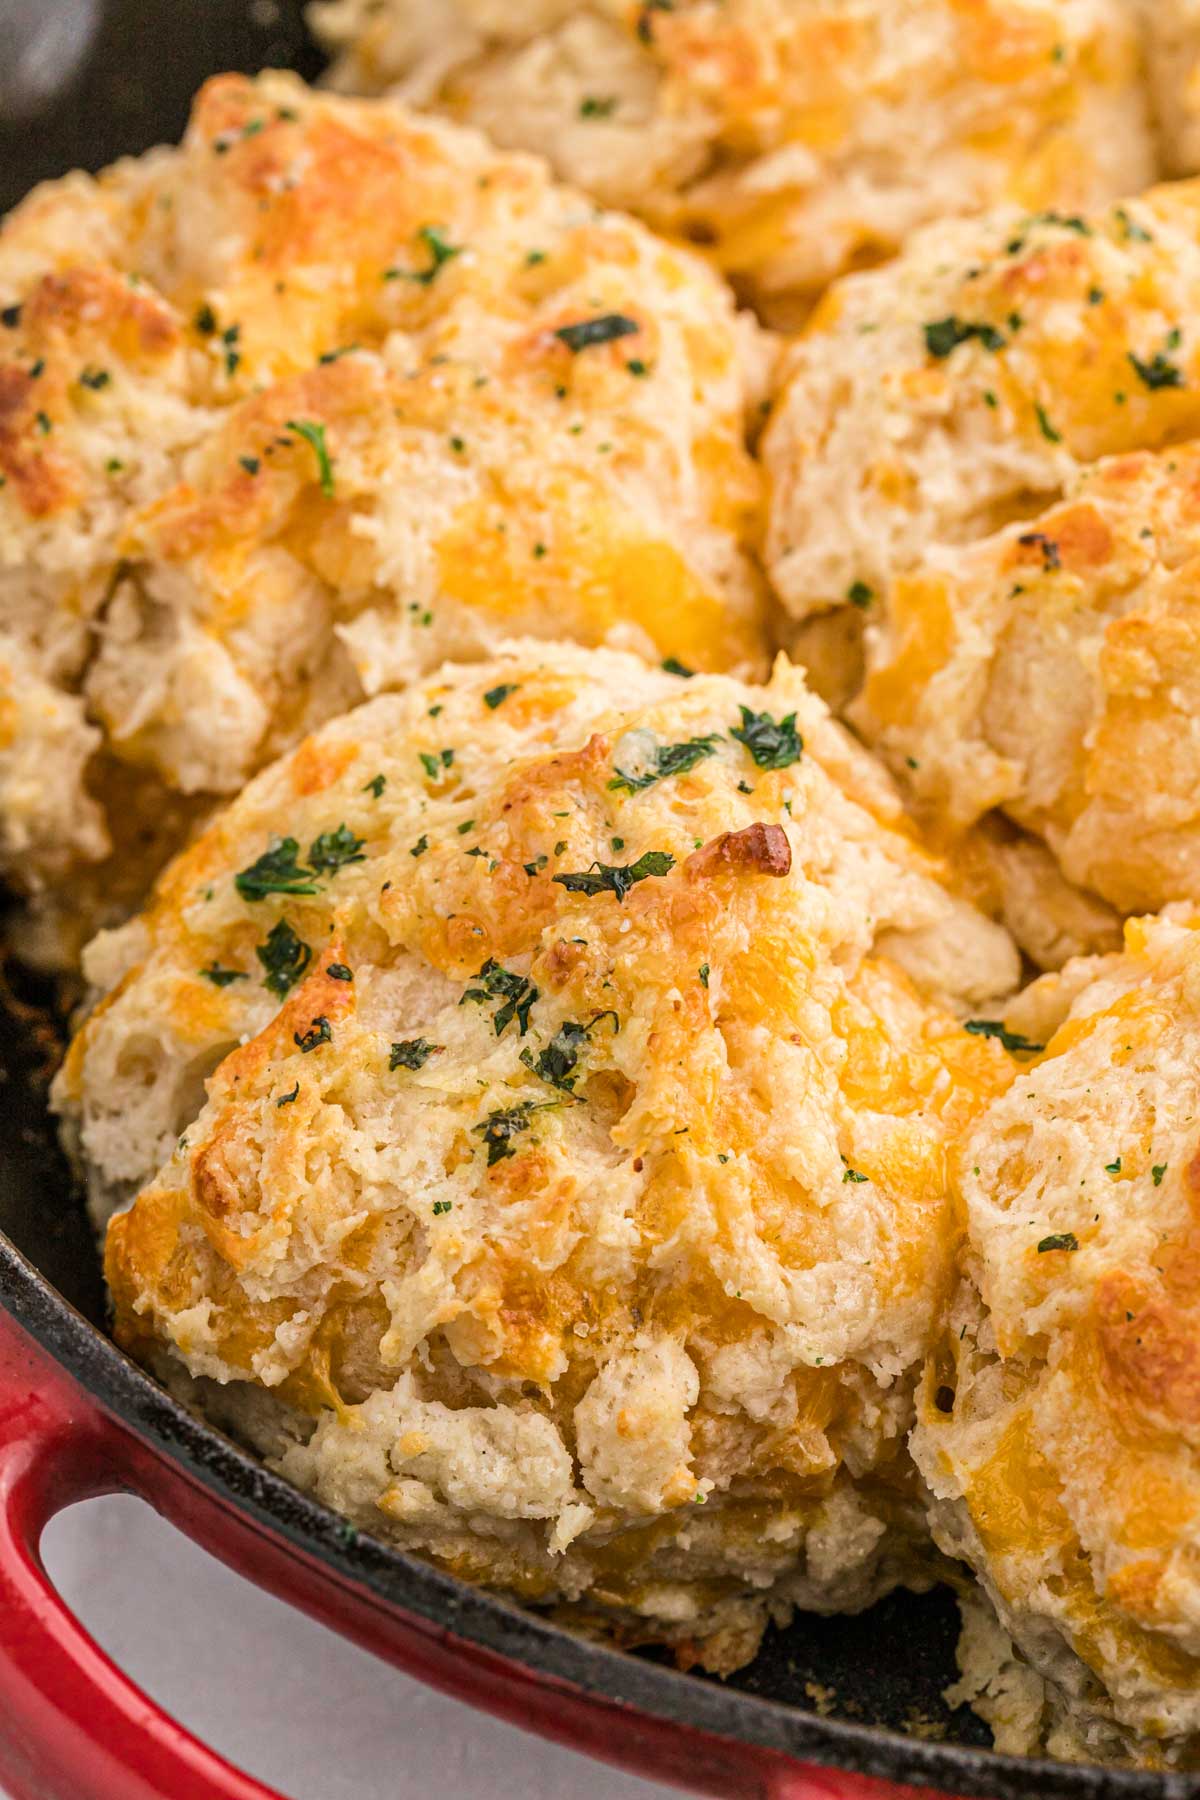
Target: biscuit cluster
[(642, 859)]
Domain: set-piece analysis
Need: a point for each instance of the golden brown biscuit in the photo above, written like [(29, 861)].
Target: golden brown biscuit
[(968, 383), (1054, 671), (1059, 1420), (331, 391), (533, 1083), (1172, 30), (793, 138)]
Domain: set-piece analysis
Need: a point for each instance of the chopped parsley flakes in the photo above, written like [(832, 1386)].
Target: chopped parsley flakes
[(605, 329), (222, 978), (1049, 431), (774, 744), (413, 1053), (334, 849), (617, 879), (668, 759), (440, 252), (515, 992), (1159, 372), (276, 871), (284, 957), (1157, 1173), (943, 336), (1012, 1041), (498, 695), (434, 762), (319, 1032), (314, 434), (502, 1126), (1059, 1240), (556, 1063)]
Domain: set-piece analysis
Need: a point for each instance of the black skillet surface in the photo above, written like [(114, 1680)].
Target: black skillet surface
[(82, 82)]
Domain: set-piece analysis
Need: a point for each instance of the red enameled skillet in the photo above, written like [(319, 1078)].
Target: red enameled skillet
[(82, 81)]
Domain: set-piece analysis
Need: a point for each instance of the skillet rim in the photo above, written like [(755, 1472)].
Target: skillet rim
[(389, 1578)]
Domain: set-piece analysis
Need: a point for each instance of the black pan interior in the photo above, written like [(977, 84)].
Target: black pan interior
[(126, 72)]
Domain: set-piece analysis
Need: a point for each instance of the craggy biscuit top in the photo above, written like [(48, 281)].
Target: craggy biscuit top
[(792, 138), (553, 1043), (1054, 670), (967, 384), (1061, 1418), (329, 392)]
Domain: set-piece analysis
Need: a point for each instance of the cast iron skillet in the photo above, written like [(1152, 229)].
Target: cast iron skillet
[(90, 80)]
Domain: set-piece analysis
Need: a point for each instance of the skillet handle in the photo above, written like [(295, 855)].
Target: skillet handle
[(72, 1726)]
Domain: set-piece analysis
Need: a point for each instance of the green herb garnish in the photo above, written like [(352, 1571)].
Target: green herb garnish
[(516, 992), (284, 956), (318, 1033), (605, 329), (943, 336), (314, 434), (1159, 372), (1011, 1041), (774, 744), (222, 978), (413, 1053), (502, 1126), (617, 879), (334, 849), (276, 871), (669, 759), (556, 1063)]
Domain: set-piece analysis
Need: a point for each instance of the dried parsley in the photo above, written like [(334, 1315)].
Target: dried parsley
[(557, 1062), (284, 956), (319, 1032), (515, 992), (669, 759), (1059, 1240), (500, 1128), (314, 434), (943, 336), (413, 1053), (617, 879), (334, 849), (774, 744), (222, 978), (1011, 1041), (1159, 372), (440, 252), (605, 329), (276, 871)]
